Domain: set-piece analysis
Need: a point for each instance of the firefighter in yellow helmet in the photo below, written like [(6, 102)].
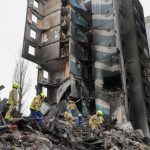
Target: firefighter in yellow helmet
[(68, 116), (96, 120), (72, 107), (35, 108), (12, 102)]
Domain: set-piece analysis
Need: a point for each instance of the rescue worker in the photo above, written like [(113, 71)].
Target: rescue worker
[(72, 107), (79, 120), (68, 117), (35, 108), (12, 102), (96, 121)]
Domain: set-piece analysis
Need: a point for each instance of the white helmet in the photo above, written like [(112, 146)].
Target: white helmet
[(80, 115)]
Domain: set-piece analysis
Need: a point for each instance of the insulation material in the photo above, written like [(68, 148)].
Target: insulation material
[(67, 71)]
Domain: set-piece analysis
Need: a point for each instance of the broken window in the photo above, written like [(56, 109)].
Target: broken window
[(45, 74), (31, 50), (44, 90), (33, 34), (34, 18), (114, 60), (112, 83), (36, 4)]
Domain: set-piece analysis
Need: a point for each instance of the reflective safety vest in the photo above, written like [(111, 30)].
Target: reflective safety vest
[(13, 97), (68, 116), (72, 106), (36, 103), (95, 121)]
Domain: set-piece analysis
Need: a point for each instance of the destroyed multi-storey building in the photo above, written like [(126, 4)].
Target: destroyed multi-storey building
[(95, 49)]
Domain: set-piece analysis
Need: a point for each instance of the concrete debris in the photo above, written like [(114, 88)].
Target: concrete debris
[(61, 135), (58, 134)]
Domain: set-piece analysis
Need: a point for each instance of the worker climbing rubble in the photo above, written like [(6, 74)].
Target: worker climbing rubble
[(68, 117), (12, 102), (35, 108), (79, 120), (58, 134), (95, 122), (72, 107)]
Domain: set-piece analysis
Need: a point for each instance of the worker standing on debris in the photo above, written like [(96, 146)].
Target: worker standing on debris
[(96, 121), (12, 102), (72, 107), (35, 108), (79, 120), (68, 117)]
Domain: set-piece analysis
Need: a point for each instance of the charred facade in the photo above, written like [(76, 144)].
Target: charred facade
[(94, 49)]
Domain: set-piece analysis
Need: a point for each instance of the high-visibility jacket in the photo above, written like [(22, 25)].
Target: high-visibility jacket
[(68, 116), (13, 97), (72, 106), (95, 121), (9, 115), (36, 103)]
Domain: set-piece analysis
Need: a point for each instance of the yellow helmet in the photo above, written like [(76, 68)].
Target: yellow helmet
[(99, 113), (15, 85), (43, 95)]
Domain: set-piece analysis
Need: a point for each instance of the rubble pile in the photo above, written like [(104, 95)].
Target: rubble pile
[(61, 135), (58, 134)]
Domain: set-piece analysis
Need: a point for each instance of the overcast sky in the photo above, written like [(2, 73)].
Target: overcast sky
[(12, 14), (146, 6)]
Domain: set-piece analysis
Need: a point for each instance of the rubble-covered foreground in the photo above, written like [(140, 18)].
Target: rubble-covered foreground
[(60, 135)]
